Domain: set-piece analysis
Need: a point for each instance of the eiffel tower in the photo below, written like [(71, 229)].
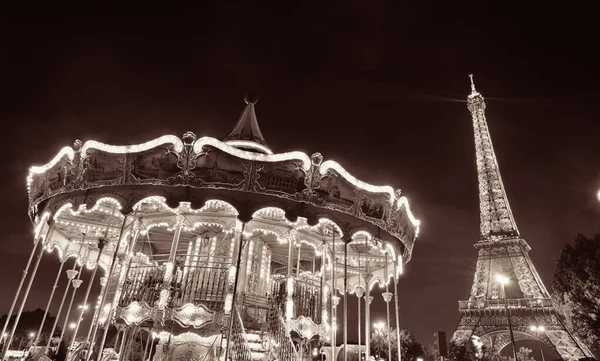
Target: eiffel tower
[(523, 302)]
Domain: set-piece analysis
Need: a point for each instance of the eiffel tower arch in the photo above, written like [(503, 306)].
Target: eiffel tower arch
[(523, 303)]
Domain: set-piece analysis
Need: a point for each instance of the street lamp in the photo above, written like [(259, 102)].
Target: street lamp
[(503, 281), (538, 330), (598, 195), (72, 325), (379, 326)]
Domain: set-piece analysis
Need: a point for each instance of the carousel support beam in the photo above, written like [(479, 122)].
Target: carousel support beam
[(76, 283), (71, 274), (397, 312), (37, 336), (102, 241), (334, 298), (359, 294), (31, 279), (289, 302), (368, 300), (14, 303), (147, 345), (96, 321), (131, 246), (235, 285), (346, 301), (387, 297)]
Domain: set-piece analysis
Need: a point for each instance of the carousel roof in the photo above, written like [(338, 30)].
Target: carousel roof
[(241, 172), (246, 133)]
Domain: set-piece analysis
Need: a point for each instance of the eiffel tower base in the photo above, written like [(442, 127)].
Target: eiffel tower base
[(491, 328)]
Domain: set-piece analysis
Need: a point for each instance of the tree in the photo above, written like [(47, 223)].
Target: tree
[(576, 289), (410, 348), (469, 352), (29, 324), (523, 355)]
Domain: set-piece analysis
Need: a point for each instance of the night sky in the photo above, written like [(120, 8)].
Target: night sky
[(380, 88)]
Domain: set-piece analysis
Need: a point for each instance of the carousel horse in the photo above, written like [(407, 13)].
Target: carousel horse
[(109, 354), (78, 352)]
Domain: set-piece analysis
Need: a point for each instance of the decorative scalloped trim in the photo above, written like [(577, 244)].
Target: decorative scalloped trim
[(267, 158), (330, 164), (136, 148)]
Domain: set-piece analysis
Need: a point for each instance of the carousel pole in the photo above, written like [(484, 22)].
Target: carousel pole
[(368, 299), (334, 299), (71, 274), (397, 311), (37, 337), (76, 283), (387, 297), (94, 328), (359, 294), (235, 284), (31, 279), (110, 275), (147, 344), (345, 301), (102, 241), (14, 303)]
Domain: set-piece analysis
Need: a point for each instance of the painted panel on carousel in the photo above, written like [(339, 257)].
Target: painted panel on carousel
[(337, 192), (54, 180), (375, 206), (220, 170), (153, 166), (102, 168), (282, 177)]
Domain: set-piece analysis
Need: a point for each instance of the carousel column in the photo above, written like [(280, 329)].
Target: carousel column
[(335, 300), (368, 300), (71, 274), (76, 283), (111, 274), (346, 300), (240, 226), (397, 310), (33, 273), (359, 293), (387, 297), (91, 336), (170, 265), (102, 241), (14, 303), (37, 337), (289, 301)]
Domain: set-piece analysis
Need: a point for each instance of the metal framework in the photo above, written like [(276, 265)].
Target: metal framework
[(501, 251)]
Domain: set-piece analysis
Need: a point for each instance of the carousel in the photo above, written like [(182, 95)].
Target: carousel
[(212, 249)]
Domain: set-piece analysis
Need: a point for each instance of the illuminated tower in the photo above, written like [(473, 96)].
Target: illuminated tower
[(524, 300)]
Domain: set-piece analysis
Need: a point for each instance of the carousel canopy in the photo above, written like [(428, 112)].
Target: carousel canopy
[(99, 183)]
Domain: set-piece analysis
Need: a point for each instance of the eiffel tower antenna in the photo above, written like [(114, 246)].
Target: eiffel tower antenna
[(497, 310)]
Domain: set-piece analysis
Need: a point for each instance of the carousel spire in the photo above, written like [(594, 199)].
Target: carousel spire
[(246, 133)]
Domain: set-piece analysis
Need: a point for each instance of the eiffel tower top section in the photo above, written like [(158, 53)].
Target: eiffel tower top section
[(497, 221)]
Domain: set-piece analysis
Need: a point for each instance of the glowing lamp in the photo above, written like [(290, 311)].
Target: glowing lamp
[(502, 279)]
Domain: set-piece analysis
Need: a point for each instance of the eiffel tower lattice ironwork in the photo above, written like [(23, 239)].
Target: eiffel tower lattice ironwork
[(502, 251)]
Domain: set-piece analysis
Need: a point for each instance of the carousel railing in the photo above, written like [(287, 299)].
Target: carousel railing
[(240, 349), (307, 295), (280, 338), (201, 284), (205, 285), (143, 284), (255, 308)]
